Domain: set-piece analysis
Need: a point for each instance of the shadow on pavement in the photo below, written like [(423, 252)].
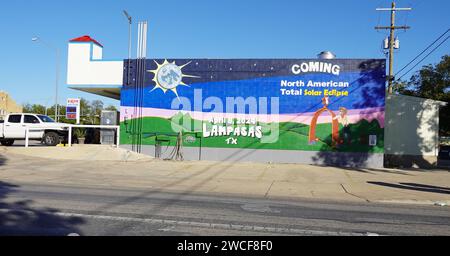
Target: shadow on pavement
[(425, 186), (31, 143), (375, 171), (2, 160), (19, 218), (414, 186)]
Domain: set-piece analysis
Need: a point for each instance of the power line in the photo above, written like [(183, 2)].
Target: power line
[(425, 57), (429, 46)]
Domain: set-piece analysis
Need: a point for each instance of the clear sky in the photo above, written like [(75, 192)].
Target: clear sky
[(204, 29)]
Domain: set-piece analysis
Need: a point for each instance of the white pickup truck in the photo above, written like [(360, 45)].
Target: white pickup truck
[(40, 127)]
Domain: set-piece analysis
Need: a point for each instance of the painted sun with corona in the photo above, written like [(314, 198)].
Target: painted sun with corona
[(168, 76)]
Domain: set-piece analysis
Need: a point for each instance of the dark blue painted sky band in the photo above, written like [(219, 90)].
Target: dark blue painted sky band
[(213, 70), (365, 91)]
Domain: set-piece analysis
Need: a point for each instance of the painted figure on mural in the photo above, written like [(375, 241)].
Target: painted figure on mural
[(343, 120), (325, 101), (334, 124)]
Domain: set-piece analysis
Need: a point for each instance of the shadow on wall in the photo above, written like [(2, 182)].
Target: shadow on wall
[(410, 136), (353, 149), (412, 132), (20, 218)]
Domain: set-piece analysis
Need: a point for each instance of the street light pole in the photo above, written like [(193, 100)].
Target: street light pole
[(36, 39), (46, 106), (130, 21), (56, 85)]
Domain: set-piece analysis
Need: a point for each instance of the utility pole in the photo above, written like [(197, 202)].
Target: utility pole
[(392, 29)]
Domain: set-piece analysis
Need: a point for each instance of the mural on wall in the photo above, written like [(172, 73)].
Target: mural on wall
[(278, 104)]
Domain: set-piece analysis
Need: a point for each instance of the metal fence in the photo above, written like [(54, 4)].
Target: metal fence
[(71, 126)]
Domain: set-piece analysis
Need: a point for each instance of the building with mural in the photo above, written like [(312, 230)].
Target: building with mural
[(258, 109), (315, 111)]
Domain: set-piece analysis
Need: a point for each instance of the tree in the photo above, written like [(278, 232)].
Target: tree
[(111, 108), (432, 82), (27, 107), (97, 107), (35, 108), (86, 115), (84, 107)]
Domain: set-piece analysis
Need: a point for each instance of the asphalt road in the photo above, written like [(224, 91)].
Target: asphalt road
[(34, 209)]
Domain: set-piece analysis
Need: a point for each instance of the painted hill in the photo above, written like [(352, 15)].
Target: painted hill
[(292, 136)]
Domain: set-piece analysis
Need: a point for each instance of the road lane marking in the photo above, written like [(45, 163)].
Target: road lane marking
[(258, 208), (235, 227)]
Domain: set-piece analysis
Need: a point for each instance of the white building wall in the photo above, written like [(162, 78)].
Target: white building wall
[(85, 66), (412, 129), (97, 52)]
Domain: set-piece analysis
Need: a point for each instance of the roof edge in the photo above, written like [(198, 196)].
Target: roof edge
[(86, 39)]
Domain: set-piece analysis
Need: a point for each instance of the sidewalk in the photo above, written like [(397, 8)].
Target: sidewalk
[(275, 181), (76, 152)]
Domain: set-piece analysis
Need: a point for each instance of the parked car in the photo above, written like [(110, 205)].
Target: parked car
[(41, 127)]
